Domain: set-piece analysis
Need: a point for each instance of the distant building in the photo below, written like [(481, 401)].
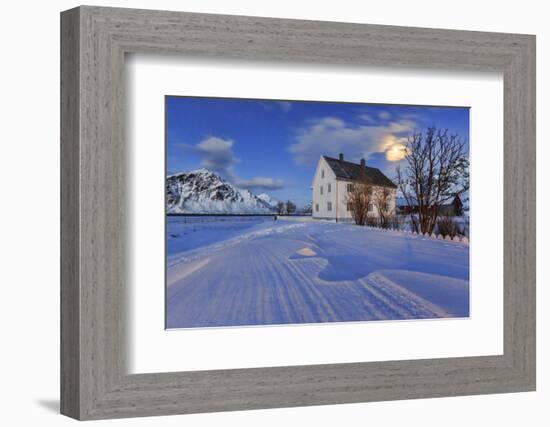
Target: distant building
[(454, 208), (333, 181)]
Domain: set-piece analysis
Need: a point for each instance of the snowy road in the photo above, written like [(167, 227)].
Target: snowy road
[(281, 272)]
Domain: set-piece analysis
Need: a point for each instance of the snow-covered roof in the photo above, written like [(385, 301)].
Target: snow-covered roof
[(352, 171)]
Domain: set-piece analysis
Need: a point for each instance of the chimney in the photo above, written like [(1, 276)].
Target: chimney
[(341, 157), (363, 164)]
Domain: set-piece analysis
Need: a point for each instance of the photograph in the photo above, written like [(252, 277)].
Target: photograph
[(285, 212)]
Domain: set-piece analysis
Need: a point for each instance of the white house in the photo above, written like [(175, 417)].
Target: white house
[(332, 183)]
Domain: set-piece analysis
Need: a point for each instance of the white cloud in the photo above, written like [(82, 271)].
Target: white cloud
[(331, 135), (367, 117), (260, 183), (384, 115), (286, 106), (216, 154)]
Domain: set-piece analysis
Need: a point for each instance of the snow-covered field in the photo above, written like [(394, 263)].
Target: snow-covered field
[(229, 271)]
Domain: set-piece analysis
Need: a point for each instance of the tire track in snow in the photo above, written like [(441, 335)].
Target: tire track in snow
[(254, 280), (405, 304)]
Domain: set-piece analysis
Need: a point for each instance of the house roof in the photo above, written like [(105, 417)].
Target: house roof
[(351, 172)]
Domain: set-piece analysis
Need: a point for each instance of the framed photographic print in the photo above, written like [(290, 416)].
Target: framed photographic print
[(264, 202), (261, 213)]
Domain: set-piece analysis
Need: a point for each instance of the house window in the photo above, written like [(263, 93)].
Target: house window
[(316, 207), (370, 208), (328, 188), (322, 173), (349, 208), (329, 206), (321, 188), (349, 188)]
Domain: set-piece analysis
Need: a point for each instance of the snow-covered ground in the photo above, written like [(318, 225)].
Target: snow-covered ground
[(255, 271)]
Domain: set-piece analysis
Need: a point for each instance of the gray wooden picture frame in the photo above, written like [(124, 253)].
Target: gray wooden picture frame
[(94, 381)]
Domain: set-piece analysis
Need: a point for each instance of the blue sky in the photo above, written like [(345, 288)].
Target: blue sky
[(273, 147)]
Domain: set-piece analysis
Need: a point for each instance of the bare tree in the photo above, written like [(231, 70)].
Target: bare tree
[(290, 207), (436, 170), (280, 207), (382, 198), (359, 198)]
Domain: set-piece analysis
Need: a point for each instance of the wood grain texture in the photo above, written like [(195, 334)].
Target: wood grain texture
[(70, 292), (94, 233)]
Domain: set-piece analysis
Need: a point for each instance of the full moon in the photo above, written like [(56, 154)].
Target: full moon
[(396, 152)]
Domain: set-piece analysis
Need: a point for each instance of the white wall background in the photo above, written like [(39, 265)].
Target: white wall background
[(29, 225)]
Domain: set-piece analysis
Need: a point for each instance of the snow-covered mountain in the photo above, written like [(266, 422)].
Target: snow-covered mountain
[(268, 199), (203, 191), (307, 209)]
